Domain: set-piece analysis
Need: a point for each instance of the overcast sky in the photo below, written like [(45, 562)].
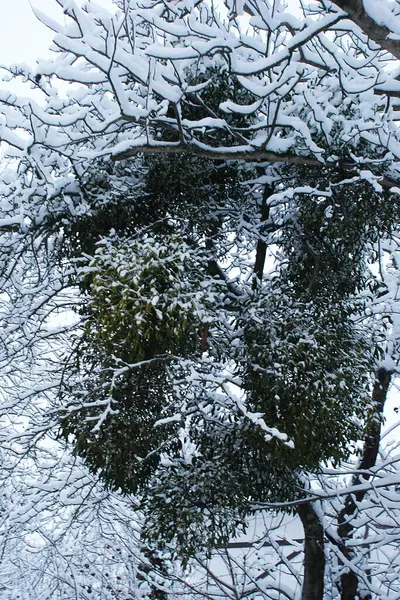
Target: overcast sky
[(22, 37)]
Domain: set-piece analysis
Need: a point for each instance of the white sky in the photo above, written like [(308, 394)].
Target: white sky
[(22, 37)]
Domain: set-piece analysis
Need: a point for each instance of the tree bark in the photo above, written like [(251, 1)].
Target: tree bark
[(349, 580), (375, 31), (247, 155), (314, 556), (261, 251)]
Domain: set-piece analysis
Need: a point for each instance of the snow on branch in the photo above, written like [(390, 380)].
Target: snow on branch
[(145, 78)]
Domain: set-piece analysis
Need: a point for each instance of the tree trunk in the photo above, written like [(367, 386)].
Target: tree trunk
[(349, 580), (261, 251), (378, 32), (314, 556)]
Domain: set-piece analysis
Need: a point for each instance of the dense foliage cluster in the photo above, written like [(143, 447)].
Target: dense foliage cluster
[(266, 377)]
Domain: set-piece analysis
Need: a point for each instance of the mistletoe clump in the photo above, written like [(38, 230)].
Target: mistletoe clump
[(149, 297), (148, 301), (307, 372)]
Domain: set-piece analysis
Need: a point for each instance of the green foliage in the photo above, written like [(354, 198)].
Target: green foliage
[(327, 240), (113, 421), (308, 373), (194, 507), (193, 194), (107, 199), (308, 365), (213, 89), (200, 504), (148, 297), (161, 337), (148, 302)]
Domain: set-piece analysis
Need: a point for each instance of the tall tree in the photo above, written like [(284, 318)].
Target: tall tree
[(199, 209)]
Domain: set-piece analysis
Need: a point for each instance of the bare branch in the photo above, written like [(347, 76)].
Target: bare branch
[(379, 33)]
